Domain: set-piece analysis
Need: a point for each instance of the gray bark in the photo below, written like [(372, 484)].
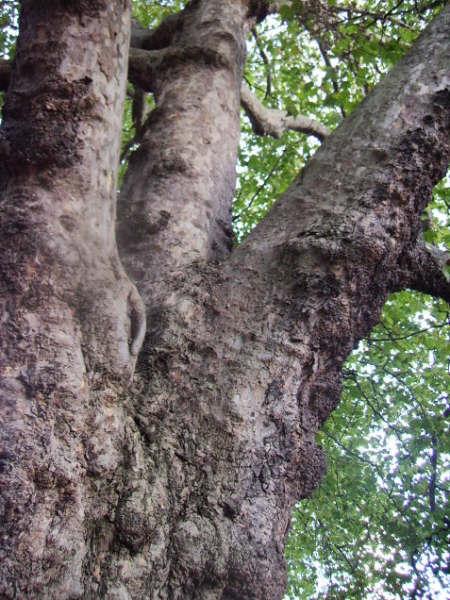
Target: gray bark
[(178, 481), (180, 182), (67, 305)]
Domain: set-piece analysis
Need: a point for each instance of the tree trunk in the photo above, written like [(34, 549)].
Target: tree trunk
[(174, 478)]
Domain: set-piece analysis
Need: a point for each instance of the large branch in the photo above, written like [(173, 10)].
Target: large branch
[(377, 170), (423, 270), (317, 271), (158, 38), (270, 121), (143, 67), (176, 198)]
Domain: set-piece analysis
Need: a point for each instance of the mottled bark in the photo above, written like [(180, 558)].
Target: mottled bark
[(180, 484), (69, 313), (180, 182)]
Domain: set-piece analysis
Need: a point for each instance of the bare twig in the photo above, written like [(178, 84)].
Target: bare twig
[(270, 121), (432, 482), (266, 62)]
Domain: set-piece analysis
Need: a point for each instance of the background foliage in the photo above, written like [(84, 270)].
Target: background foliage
[(378, 527)]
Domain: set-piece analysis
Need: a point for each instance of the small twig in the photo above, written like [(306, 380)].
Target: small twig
[(261, 187), (266, 62), (432, 484), (410, 335)]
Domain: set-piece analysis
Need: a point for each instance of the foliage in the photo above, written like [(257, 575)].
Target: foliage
[(8, 31), (377, 527)]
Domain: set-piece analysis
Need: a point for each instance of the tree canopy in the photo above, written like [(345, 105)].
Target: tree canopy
[(378, 525)]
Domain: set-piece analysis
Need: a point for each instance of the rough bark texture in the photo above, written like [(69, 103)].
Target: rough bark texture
[(178, 188), (68, 310), (5, 74), (179, 484)]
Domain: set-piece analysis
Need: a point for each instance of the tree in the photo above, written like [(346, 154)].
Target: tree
[(378, 525), (164, 460)]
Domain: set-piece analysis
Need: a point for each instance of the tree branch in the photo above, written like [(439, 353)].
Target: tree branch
[(433, 478), (158, 38), (266, 62), (5, 74), (331, 71), (353, 211), (142, 67), (270, 121), (424, 266)]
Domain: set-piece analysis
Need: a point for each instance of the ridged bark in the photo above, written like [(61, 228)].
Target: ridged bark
[(179, 484)]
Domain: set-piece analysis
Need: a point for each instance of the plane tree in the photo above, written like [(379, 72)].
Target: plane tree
[(162, 384)]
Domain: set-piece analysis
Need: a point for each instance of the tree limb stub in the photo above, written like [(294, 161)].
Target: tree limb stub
[(273, 122), (158, 38), (142, 66)]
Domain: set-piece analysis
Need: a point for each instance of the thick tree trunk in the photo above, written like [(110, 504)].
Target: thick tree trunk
[(178, 482), (68, 310), (175, 204)]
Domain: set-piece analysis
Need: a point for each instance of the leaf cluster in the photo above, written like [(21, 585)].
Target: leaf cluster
[(378, 526)]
